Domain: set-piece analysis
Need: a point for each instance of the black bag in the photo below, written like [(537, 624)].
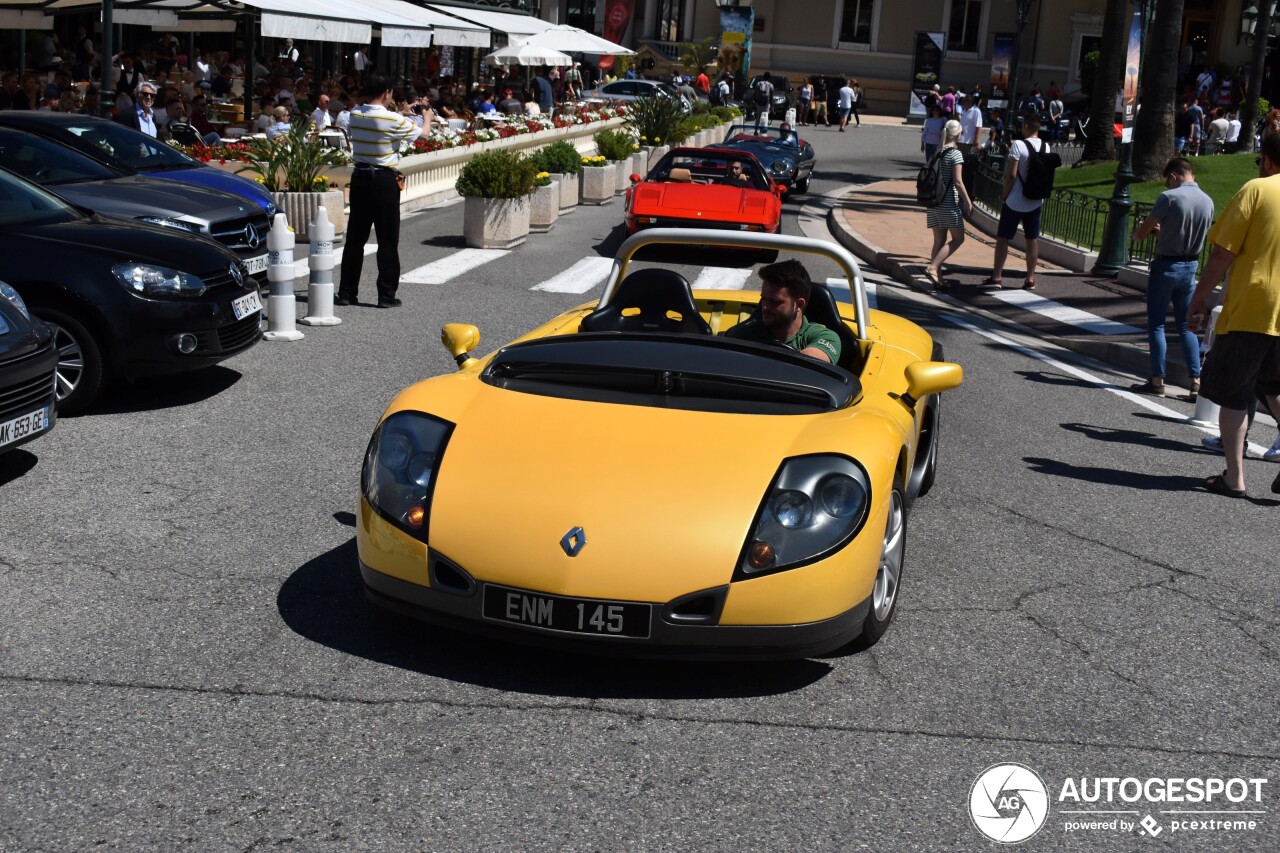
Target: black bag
[(762, 94), (931, 187), (1041, 164)]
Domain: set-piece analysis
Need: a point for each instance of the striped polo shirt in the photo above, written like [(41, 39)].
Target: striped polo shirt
[(377, 135)]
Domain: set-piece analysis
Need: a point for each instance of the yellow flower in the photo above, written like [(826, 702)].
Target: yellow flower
[(644, 139), (635, 147), (542, 175), (657, 139)]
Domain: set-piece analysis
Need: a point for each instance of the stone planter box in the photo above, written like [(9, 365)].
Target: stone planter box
[(569, 190), (598, 183), (544, 208), (495, 223), (300, 208), (621, 173), (656, 153)]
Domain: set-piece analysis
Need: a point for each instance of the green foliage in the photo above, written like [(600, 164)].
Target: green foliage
[(1220, 176), (1264, 107), (694, 56), (725, 114), (558, 158), (686, 127), (1089, 70), (653, 118), (293, 162), (497, 174), (706, 120), (700, 106), (615, 144)]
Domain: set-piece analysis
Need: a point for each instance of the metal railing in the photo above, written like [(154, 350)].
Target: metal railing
[(1144, 252), (1066, 216)]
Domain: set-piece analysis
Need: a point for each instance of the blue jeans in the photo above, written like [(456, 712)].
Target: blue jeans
[(930, 148), (1171, 281)]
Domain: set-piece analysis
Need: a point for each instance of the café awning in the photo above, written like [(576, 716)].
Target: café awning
[(514, 24)]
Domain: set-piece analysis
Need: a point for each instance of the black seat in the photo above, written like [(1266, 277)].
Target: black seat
[(821, 308), (185, 134), (655, 293)]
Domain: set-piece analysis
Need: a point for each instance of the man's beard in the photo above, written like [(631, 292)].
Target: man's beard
[(779, 322)]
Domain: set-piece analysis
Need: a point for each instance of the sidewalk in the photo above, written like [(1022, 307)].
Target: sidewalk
[(884, 226)]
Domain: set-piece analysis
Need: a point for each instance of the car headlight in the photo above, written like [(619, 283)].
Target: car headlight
[(7, 291), (814, 507), (272, 210), (149, 280), (169, 222), (780, 167), (400, 468)]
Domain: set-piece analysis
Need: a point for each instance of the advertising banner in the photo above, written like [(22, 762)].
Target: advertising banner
[(1001, 57), (926, 70), (617, 17), (1133, 61), (736, 23)]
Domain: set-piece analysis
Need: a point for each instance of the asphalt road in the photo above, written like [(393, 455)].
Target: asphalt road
[(186, 660)]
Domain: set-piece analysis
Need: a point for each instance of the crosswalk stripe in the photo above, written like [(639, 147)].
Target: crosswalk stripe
[(579, 278), (452, 266), (722, 278), (1065, 314), (301, 269)]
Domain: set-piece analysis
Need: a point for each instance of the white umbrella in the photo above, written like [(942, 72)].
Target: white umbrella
[(573, 40), (528, 54)]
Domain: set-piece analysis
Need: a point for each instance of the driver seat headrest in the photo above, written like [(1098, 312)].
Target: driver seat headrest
[(656, 293)]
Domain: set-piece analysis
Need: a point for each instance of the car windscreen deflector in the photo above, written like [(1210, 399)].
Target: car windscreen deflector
[(692, 372)]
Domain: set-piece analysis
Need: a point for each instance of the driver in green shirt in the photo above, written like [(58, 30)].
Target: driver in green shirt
[(784, 291)]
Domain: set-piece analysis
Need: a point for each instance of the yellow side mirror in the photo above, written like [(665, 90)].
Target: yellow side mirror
[(931, 377), (459, 339)]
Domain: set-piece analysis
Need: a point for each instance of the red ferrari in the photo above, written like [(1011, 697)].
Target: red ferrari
[(705, 188)]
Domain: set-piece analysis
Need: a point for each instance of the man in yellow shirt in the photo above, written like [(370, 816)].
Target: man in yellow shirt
[(1245, 357)]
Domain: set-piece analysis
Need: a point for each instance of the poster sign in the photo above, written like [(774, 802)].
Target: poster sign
[(926, 70), (1001, 58), (1133, 61), (736, 25), (617, 17)]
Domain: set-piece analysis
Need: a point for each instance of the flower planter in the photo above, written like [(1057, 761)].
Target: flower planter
[(656, 153), (495, 223), (544, 208), (569, 190), (621, 175), (599, 183), (301, 208)]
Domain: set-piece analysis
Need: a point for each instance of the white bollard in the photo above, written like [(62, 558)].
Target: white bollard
[(791, 117), (282, 306), (320, 286), (1206, 413)]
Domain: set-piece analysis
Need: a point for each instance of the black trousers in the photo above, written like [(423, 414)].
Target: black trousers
[(375, 201)]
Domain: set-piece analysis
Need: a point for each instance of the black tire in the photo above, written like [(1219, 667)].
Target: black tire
[(81, 373), (888, 583), (802, 185), (926, 468)]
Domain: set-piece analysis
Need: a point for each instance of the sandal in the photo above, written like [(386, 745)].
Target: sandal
[(932, 277), (1218, 485), (1029, 284)]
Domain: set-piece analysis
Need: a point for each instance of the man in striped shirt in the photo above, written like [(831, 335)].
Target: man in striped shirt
[(377, 135)]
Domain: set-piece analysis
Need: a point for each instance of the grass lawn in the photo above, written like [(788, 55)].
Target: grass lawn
[(1220, 176)]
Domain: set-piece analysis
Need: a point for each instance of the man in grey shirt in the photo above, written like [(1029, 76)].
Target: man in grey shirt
[(1181, 216)]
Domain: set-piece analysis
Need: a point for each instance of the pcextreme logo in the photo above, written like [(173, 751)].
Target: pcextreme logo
[(1010, 803)]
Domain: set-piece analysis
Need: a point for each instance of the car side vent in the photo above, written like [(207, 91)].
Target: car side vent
[(697, 608), (448, 576)]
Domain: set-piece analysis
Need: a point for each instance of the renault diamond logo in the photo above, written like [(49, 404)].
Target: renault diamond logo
[(251, 236), (574, 541)]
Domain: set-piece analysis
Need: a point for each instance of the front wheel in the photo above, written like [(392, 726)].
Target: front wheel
[(80, 373), (802, 185), (884, 593)]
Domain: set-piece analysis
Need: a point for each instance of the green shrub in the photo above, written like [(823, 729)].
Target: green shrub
[(725, 114), (1264, 107), (615, 144), (653, 118), (559, 158), (706, 120), (295, 162), (684, 128), (700, 106), (497, 174)]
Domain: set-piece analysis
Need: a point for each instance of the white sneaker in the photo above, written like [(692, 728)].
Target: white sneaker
[(1273, 454)]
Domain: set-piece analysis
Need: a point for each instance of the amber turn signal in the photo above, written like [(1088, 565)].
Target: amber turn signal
[(760, 555), (415, 516)]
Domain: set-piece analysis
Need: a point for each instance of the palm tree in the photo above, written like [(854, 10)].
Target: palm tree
[(1153, 139), (1107, 81), (1249, 109)]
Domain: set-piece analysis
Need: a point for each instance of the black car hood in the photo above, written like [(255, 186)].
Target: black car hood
[(134, 196), (123, 241)]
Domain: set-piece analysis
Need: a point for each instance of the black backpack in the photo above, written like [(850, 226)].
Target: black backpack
[(931, 188), (1041, 164), (762, 93)]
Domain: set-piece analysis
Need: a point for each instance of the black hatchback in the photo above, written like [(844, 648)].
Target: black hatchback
[(27, 363), (124, 299)]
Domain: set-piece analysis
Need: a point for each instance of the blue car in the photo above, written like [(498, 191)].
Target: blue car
[(128, 150)]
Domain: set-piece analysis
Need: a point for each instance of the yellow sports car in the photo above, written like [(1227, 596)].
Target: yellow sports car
[(625, 479)]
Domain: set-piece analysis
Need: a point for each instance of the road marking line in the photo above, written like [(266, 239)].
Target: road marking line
[(1085, 376), (448, 268), (722, 278), (1029, 301), (579, 278), (301, 269)]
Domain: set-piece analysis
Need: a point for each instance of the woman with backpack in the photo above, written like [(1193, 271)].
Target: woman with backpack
[(947, 218)]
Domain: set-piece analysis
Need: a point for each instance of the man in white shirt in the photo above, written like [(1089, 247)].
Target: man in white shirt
[(288, 51), (320, 115), (1017, 208), (360, 60), (970, 125), (1233, 132), (845, 104)]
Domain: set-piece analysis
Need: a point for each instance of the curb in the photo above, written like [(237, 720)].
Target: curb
[(1125, 357)]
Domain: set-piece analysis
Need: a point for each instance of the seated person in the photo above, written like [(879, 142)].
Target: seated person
[(279, 127), (784, 291), (735, 176), (510, 105), (784, 135)]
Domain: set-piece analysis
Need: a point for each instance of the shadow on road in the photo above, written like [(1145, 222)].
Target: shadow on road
[(1130, 436), (15, 463), (324, 601), (168, 392)]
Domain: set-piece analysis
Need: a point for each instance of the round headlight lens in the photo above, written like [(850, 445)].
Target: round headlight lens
[(841, 496), (396, 448), (793, 509), (421, 467)]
